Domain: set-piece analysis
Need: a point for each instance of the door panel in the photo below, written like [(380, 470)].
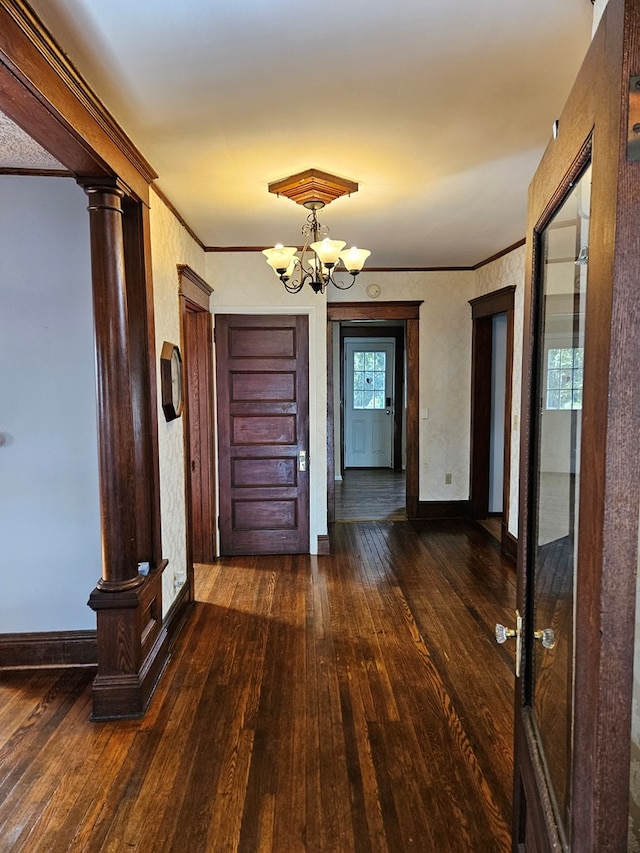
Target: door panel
[(263, 428), (579, 463), (369, 400)]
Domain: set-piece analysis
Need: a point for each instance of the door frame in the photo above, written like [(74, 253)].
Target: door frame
[(610, 453), (197, 357), (483, 310), (401, 310)]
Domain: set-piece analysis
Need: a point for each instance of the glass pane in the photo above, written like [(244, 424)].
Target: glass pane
[(358, 361), (563, 287)]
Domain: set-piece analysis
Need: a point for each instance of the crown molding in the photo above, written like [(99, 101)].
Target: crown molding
[(46, 46)]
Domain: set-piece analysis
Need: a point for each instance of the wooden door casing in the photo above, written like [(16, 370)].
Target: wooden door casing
[(262, 370), (198, 369), (592, 126)]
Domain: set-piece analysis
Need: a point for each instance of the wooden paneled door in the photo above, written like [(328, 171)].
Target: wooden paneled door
[(580, 461), (262, 368)]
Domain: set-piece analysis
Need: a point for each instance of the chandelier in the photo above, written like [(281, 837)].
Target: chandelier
[(320, 256)]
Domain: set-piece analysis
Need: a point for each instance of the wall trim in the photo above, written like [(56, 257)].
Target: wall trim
[(509, 544), (37, 650), (178, 613), (193, 286), (431, 510), (324, 545)]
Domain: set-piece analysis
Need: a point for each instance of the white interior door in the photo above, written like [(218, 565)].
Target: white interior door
[(368, 404)]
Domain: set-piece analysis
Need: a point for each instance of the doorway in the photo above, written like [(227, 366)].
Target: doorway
[(491, 373), (403, 318)]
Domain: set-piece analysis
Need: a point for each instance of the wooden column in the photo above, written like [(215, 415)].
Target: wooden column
[(132, 644), (115, 434)]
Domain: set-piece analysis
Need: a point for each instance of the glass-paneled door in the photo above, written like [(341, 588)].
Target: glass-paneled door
[(580, 462)]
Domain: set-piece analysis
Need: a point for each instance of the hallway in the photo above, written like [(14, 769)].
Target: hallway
[(356, 702)]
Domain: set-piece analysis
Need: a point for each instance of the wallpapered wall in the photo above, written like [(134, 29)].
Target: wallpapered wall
[(170, 245)]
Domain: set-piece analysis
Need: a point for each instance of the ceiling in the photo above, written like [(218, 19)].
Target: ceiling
[(440, 111)]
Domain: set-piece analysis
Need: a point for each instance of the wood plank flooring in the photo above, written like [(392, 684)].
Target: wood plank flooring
[(356, 702), (371, 494)]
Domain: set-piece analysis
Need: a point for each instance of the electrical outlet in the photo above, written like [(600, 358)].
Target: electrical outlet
[(447, 479)]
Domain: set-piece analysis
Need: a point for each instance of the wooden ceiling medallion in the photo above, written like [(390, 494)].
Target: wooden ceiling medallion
[(313, 188)]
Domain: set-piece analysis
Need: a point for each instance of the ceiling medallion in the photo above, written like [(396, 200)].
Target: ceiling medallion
[(314, 190)]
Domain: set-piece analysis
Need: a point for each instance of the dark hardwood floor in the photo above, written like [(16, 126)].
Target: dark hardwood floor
[(371, 494), (356, 702)]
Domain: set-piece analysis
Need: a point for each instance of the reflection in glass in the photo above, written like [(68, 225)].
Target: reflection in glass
[(562, 292)]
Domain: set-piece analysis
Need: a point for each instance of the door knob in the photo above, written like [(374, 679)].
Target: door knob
[(503, 634), (547, 637)]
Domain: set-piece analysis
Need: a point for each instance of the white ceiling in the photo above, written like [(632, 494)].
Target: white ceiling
[(439, 109)]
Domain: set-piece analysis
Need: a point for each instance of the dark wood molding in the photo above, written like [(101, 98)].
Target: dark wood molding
[(324, 545), (500, 254), (496, 302), (483, 309), (430, 510), (36, 173), (470, 268), (41, 68), (509, 544), (400, 310), (178, 613), (193, 287), (48, 648)]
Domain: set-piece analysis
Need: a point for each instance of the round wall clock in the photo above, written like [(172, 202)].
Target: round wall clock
[(171, 381)]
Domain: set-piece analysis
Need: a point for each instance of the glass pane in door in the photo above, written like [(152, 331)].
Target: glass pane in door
[(562, 276)]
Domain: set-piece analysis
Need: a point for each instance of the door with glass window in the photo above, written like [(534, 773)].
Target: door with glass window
[(369, 402), (579, 468)]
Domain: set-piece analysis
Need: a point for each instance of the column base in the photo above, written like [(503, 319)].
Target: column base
[(133, 648)]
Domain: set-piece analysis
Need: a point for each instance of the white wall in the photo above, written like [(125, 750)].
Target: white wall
[(50, 558), (170, 245)]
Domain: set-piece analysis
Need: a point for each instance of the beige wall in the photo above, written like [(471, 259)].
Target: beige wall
[(170, 245), (507, 271), (243, 283)]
